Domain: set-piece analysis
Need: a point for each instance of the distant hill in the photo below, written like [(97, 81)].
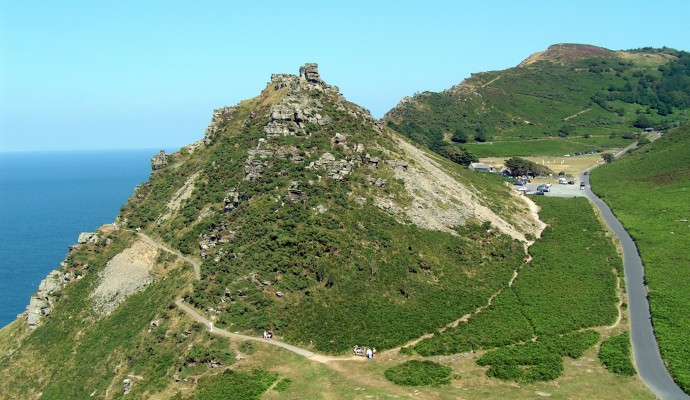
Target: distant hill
[(569, 97)]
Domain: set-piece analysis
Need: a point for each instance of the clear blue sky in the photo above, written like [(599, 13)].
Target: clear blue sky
[(147, 74)]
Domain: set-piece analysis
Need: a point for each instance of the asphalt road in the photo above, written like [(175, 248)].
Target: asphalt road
[(645, 350)]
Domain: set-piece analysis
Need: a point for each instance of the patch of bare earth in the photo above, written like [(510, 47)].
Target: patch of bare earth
[(440, 202), (125, 274)]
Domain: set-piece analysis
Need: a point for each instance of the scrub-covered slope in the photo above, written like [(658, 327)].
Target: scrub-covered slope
[(568, 98), (307, 217)]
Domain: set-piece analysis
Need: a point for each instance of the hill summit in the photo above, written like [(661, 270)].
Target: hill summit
[(299, 214)]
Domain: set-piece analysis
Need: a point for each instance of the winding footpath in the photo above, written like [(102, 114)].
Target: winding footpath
[(221, 332), (645, 350)]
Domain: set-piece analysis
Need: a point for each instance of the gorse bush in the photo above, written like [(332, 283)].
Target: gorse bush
[(234, 385), (541, 360), (419, 373), (615, 354)]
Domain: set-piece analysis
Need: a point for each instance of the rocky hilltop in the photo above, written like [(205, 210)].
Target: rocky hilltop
[(296, 213)]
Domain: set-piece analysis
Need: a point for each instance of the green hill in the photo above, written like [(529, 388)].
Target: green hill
[(649, 191), (301, 215), (569, 98)]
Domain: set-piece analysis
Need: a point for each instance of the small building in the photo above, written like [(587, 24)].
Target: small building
[(481, 167)]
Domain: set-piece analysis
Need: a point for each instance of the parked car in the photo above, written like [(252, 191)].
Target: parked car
[(585, 173), (543, 188), (582, 186), (571, 182)]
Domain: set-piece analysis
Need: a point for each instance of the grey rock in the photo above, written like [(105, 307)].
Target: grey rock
[(87, 237), (127, 385), (159, 161)]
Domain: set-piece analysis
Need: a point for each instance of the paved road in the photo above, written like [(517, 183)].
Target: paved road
[(649, 364)]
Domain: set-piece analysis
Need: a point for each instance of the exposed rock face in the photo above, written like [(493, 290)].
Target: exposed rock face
[(87, 237), (295, 193), (232, 200), (220, 116), (41, 303), (159, 161), (217, 235), (310, 73)]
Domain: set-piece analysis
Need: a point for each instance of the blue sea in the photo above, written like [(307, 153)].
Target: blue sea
[(46, 200)]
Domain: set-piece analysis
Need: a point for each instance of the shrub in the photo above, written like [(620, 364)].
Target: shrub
[(615, 355), (419, 373)]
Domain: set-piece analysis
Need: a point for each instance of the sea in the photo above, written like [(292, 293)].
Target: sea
[(46, 200)]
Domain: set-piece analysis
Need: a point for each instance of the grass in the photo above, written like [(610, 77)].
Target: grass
[(648, 192), (582, 378), (544, 147), (559, 291)]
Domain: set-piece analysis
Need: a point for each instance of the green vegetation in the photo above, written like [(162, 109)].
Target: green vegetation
[(519, 167), (96, 351), (546, 146), (541, 360), (419, 373), (234, 385), (557, 99), (648, 192), (556, 293), (407, 281), (615, 354)]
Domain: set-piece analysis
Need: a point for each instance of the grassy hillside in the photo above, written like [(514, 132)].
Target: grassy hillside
[(649, 191), (567, 92), (320, 233)]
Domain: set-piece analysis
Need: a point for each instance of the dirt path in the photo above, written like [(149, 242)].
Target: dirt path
[(195, 265), (491, 81), (576, 114)]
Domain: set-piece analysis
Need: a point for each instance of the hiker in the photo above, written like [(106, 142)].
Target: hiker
[(373, 352), (265, 335), (270, 335), (370, 355)]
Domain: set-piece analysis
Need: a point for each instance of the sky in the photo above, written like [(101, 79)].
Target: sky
[(83, 75)]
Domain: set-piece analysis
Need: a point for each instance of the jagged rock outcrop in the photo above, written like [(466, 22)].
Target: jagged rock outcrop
[(41, 302), (87, 237), (232, 200), (220, 116), (159, 160)]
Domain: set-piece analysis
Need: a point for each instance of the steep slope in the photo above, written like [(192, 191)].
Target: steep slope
[(575, 98), (308, 217), (648, 192)]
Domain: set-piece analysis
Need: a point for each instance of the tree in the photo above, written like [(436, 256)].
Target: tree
[(608, 157), (459, 136), (481, 137), (458, 155), (519, 166), (642, 122)]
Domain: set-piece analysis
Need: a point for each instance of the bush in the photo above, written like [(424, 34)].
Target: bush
[(419, 373), (234, 385), (537, 361), (615, 355)]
